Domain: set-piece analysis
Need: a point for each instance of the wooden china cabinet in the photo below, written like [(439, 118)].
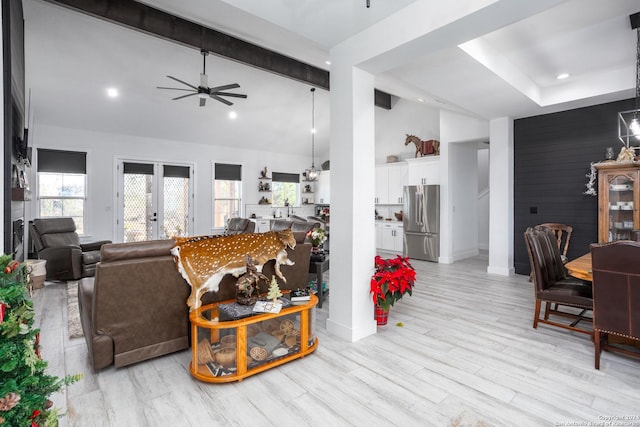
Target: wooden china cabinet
[(618, 200)]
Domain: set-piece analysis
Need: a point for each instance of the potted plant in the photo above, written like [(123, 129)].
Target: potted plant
[(391, 280), (317, 237)]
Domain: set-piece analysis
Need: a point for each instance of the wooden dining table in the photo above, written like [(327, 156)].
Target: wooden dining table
[(580, 267)]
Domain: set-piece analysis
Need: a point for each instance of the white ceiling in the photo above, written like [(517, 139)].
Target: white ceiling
[(508, 70)]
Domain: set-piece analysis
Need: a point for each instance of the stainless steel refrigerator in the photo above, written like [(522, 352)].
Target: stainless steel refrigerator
[(422, 222)]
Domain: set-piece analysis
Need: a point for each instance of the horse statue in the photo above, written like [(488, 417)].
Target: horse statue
[(425, 148)]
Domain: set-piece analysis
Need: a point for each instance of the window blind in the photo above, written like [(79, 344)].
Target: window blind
[(228, 172), (286, 177), (62, 161), (170, 171), (138, 168)]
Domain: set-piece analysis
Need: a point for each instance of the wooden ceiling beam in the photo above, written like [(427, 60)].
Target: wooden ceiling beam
[(141, 17)]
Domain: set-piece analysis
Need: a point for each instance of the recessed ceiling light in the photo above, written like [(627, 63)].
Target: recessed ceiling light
[(233, 115), (327, 62), (112, 92), (562, 76), (420, 100)]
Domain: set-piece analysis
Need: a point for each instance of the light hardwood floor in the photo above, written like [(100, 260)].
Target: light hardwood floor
[(467, 355)]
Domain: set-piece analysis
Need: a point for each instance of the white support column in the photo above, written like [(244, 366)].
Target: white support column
[(501, 238), (352, 204)]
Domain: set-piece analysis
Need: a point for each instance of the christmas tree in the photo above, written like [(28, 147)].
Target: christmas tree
[(274, 291), (24, 386)]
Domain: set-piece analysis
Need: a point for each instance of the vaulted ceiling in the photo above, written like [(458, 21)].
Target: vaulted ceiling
[(508, 68)]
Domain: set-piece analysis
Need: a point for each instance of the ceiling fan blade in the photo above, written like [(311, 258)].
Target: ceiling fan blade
[(217, 98), (184, 83), (174, 88), (184, 96), (203, 80), (225, 87), (203, 101), (235, 95)]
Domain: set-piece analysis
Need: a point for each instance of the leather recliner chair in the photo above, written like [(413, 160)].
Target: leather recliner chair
[(56, 240), (240, 226)]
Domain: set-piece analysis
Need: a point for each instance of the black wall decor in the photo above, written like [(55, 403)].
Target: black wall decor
[(552, 156)]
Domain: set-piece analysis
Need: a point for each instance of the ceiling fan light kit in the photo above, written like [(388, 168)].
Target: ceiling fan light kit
[(203, 90)]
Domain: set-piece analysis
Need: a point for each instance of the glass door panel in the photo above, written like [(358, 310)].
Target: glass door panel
[(621, 207), (154, 201)]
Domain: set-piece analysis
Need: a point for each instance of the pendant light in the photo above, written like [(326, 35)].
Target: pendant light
[(311, 173), (629, 121)]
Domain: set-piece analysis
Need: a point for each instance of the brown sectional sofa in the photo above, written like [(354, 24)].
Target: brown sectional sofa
[(135, 308)]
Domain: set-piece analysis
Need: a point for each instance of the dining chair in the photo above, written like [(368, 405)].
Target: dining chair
[(616, 295), (562, 234), (552, 287)]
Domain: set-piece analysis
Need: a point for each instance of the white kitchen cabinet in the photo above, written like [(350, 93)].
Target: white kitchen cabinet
[(389, 237), (423, 171), (262, 225), (390, 182), (323, 188)]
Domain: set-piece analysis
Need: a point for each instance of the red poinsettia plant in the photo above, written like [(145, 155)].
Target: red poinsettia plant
[(392, 279)]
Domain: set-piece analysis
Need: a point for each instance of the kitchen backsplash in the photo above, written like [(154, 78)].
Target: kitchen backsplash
[(268, 211), (387, 211)]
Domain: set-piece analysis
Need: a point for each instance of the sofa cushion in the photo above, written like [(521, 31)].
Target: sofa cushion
[(299, 228), (132, 250), (90, 257)]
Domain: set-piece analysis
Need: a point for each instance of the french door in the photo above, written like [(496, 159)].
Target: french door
[(154, 200)]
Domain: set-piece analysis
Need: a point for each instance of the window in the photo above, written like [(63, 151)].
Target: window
[(62, 182), (227, 190), (285, 189)]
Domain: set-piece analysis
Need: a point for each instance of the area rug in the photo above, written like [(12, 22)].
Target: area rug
[(73, 313)]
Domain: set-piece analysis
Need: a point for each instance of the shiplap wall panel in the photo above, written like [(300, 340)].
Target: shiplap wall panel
[(552, 156)]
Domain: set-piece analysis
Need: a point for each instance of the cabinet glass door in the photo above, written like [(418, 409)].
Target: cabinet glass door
[(621, 208)]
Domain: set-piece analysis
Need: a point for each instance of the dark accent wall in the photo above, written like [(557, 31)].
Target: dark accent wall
[(552, 156), (14, 106)]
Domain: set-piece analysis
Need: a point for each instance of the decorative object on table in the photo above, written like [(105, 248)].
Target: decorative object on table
[(264, 201), (399, 215), (592, 175), (629, 121), (226, 357), (391, 280), (228, 341), (278, 334), (430, 147), (205, 352), (325, 214), (392, 159), (248, 285), (203, 261), (274, 291), (25, 386), (258, 353), (609, 154), (317, 237), (311, 174), (627, 154)]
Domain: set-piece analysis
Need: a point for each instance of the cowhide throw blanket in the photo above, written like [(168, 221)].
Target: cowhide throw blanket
[(203, 261)]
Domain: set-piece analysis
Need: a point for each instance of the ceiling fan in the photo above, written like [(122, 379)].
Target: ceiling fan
[(203, 91)]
